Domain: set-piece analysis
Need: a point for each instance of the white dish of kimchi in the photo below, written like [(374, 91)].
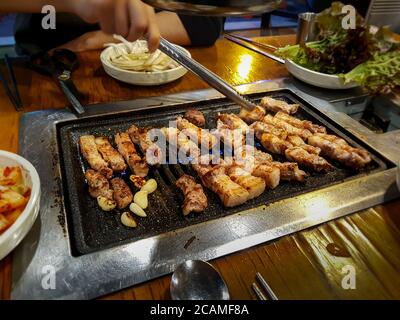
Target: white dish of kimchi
[(19, 200)]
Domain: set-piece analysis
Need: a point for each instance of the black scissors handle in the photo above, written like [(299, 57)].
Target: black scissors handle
[(54, 63), (59, 64), (64, 59)]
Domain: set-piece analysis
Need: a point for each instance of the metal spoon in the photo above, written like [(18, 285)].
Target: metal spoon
[(197, 280)]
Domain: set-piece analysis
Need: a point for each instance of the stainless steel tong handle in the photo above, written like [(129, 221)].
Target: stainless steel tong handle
[(208, 76)]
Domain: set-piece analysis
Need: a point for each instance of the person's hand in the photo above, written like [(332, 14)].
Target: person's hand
[(93, 40), (131, 19)]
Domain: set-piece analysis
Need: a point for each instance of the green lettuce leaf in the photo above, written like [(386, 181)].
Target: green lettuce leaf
[(381, 74)]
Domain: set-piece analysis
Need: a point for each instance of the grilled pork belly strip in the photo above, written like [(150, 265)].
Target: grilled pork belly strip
[(308, 160), (91, 154), (258, 164), (98, 184), (253, 184), (213, 177), (122, 194), (196, 117), (233, 122), (301, 124), (231, 138), (291, 130), (337, 149), (230, 193), (195, 133), (269, 173), (289, 171), (251, 116), (110, 155), (127, 149), (195, 199), (151, 150), (262, 127), (274, 105), (299, 142), (182, 141), (273, 143)]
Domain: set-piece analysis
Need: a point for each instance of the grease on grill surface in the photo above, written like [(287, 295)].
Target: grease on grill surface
[(91, 229)]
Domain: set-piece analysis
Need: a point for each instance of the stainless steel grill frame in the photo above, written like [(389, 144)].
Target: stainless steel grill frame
[(101, 272)]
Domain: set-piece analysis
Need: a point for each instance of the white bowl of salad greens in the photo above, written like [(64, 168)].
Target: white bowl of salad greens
[(318, 79), (342, 58)]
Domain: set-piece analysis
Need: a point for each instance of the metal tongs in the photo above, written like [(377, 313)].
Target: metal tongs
[(202, 72), (255, 46), (265, 286)]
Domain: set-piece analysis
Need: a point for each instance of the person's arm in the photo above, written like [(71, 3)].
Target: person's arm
[(130, 18), (170, 26)]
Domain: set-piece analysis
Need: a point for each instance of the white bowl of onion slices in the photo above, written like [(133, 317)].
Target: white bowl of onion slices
[(131, 62)]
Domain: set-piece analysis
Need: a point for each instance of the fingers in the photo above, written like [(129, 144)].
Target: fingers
[(131, 19), (139, 20), (153, 32), (122, 22), (104, 11)]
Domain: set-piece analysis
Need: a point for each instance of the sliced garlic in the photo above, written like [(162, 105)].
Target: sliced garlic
[(106, 204), (140, 198), (137, 210), (150, 186), (127, 220)]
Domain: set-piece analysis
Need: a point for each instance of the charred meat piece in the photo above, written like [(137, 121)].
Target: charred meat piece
[(291, 130), (110, 155), (301, 124), (200, 136), (299, 142), (275, 105), (251, 116), (98, 184), (122, 194), (127, 149), (91, 154), (196, 117), (195, 199), (337, 149), (254, 185), (233, 122), (142, 137), (262, 127), (308, 160)]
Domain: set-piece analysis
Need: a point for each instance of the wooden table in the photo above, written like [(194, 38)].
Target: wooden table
[(296, 266)]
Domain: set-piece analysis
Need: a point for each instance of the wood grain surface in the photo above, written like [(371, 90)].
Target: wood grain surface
[(298, 266)]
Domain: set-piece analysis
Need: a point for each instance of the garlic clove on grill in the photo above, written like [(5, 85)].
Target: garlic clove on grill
[(140, 198), (137, 210), (127, 220), (150, 186), (106, 204)]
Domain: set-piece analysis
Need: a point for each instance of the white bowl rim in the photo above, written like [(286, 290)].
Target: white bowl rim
[(333, 76), (105, 61), (35, 193)]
